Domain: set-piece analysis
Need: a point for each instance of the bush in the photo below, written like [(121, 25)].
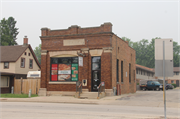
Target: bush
[(137, 84), (174, 85)]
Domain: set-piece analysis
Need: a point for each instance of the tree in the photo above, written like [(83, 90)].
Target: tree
[(129, 41), (37, 52), (176, 54), (8, 32), (13, 30)]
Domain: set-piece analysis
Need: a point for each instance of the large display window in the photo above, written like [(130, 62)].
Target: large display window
[(64, 69)]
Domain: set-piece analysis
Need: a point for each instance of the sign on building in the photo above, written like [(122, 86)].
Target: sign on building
[(80, 61)]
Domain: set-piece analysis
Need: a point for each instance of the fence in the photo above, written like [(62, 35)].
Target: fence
[(23, 86)]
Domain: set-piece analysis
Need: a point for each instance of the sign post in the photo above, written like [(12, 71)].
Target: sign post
[(163, 59), (164, 88)]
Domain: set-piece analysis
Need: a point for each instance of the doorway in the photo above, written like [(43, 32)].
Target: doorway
[(96, 73)]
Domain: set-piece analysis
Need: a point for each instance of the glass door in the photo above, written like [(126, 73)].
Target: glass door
[(96, 73)]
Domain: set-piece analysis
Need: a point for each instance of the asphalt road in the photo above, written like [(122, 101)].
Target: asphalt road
[(30, 110)]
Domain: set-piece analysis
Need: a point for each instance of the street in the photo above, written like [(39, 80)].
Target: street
[(26, 110)]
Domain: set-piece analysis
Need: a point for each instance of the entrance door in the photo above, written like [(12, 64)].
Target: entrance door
[(95, 80), (96, 73)]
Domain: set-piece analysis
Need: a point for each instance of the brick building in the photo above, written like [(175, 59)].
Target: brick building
[(92, 54)]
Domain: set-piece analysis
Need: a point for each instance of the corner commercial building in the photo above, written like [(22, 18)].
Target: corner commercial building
[(90, 55)]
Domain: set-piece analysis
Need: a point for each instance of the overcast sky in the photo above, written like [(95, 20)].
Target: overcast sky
[(136, 20)]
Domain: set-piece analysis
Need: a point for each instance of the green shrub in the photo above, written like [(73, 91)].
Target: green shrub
[(137, 83), (174, 85)]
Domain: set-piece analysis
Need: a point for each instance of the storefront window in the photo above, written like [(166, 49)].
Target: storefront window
[(64, 69)]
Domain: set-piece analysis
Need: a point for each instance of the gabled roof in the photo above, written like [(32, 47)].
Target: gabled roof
[(145, 68), (12, 53)]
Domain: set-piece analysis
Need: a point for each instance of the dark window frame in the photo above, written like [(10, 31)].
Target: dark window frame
[(25, 53), (63, 63), (121, 71), (8, 65), (29, 54), (21, 62), (129, 72), (134, 76), (117, 71), (30, 62)]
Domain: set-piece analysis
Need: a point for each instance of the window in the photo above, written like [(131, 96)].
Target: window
[(118, 49), (134, 76), (137, 71), (29, 54), (117, 71), (129, 72), (172, 81), (64, 69), (96, 63), (4, 81), (6, 65), (31, 63), (22, 62), (177, 73), (121, 71), (25, 53)]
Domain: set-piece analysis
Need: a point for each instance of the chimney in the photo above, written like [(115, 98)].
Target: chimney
[(25, 40)]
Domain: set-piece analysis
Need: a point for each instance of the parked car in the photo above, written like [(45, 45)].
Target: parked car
[(169, 86), (152, 85)]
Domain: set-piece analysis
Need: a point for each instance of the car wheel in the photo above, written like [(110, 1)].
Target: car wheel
[(157, 88)]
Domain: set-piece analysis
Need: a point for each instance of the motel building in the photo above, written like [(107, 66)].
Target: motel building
[(91, 56)]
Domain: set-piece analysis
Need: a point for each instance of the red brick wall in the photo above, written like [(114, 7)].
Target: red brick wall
[(43, 71), (95, 38), (123, 54)]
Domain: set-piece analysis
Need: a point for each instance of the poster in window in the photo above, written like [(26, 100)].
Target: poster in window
[(64, 77), (74, 72), (54, 72), (64, 72), (64, 69)]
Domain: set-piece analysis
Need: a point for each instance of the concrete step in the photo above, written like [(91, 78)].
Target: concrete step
[(61, 93), (89, 95)]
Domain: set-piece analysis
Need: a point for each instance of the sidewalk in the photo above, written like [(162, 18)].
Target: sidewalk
[(104, 101), (61, 99), (109, 100)]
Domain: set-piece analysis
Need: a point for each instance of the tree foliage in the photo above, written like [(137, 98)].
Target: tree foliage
[(145, 52), (8, 32), (37, 52)]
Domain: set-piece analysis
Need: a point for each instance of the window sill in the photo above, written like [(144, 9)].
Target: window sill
[(62, 82)]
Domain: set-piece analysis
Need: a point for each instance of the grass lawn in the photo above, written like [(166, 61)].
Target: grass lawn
[(9, 95)]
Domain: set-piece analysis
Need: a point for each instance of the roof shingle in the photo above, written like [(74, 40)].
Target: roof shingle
[(11, 53)]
